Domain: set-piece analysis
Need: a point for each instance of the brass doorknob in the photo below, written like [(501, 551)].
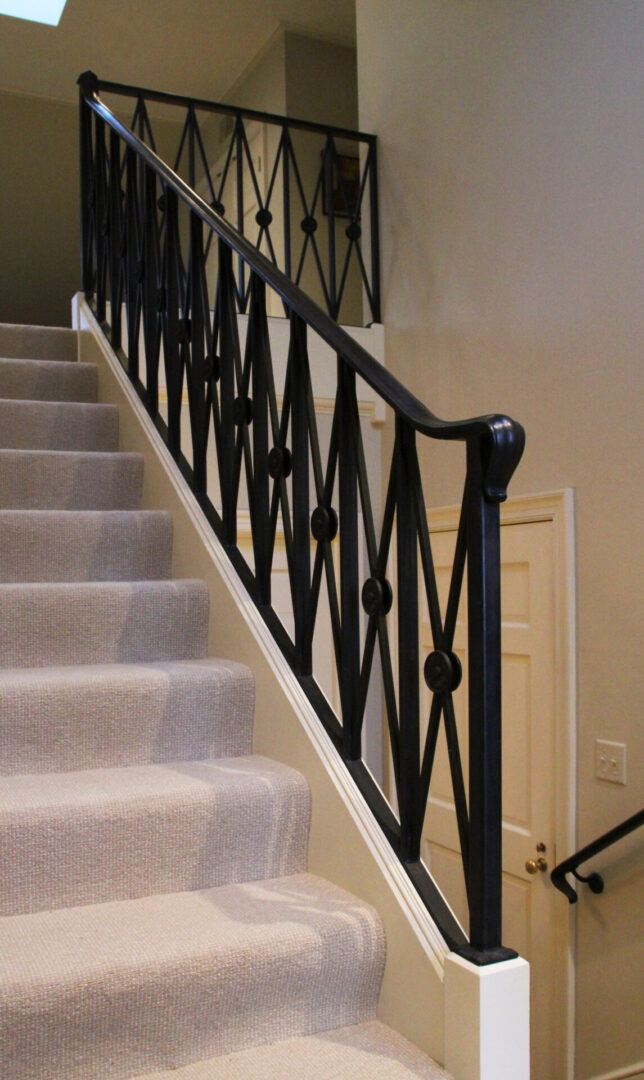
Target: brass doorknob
[(534, 866)]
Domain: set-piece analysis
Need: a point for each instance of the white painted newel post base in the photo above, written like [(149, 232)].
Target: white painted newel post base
[(487, 1019)]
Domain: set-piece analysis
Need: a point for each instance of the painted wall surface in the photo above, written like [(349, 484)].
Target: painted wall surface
[(312, 80), (39, 204), (39, 229), (512, 219)]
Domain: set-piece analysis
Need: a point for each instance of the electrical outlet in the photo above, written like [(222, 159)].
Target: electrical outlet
[(610, 761)]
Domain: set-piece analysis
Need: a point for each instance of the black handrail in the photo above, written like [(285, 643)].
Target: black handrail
[(337, 252), (164, 98), (133, 246), (594, 881)]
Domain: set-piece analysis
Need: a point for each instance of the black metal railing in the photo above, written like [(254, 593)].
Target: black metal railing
[(256, 447), (594, 881), (304, 194)]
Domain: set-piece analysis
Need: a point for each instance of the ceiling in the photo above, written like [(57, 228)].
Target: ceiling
[(195, 47)]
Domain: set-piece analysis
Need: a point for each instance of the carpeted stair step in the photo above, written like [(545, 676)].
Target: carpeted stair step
[(106, 991), (94, 836), (58, 425), (67, 480), (48, 380), (369, 1051), (103, 716), (85, 545), (45, 625), (48, 342)]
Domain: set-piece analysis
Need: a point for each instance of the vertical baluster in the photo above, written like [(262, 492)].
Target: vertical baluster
[(239, 150), (374, 232), (192, 121), (228, 345), (349, 674), (329, 178), (134, 265), (87, 183), (484, 668), (197, 384), (258, 335), (286, 193), (115, 240), (173, 368), (299, 368), (408, 664), (100, 218), (151, 287)]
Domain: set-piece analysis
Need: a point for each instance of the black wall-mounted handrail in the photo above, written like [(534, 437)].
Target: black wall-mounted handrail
[(143, 249), (594, 881)]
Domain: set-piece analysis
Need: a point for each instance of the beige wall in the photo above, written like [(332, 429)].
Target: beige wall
[(312, 80), (510, 148), (39, 230), (39, 204)]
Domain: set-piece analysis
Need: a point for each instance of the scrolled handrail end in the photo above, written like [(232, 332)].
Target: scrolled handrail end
[(559, 881), (503, 444)]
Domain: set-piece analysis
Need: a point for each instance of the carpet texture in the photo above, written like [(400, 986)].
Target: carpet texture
[(47, 380), (69, 480), (157, 918), (85, 545), (59, 425)]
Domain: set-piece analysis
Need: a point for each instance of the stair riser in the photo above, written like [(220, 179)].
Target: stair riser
[(68, 546), (140, 832), (48, 342), (39, 480), (35, 380), (49, 625), (32, 425), (92, 718)]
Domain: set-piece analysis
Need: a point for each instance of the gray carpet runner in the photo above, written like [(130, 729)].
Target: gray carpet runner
[(157, 918)]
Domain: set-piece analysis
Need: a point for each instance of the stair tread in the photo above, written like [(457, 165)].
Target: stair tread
[(99, 789), (47, 365), (19, 453), (195, 974), (368, 1051), (73, 408), (108, 834), (50, 948), (111, 674)]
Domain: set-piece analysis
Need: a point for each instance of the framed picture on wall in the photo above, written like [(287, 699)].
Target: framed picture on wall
[(346, 186)]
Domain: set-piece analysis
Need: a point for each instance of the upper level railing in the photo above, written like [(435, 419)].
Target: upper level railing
[(303, 194), (594, 881), (256, 449)]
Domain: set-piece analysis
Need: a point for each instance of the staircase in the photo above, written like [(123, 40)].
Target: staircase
[(158, 919)]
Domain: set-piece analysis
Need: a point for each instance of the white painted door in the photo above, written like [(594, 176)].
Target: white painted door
[(534, 913)]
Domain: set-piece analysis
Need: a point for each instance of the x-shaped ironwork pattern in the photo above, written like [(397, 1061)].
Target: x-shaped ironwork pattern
[(150, 245)]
